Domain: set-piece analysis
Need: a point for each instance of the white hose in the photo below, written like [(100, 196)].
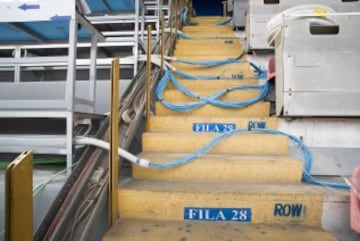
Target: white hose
[(156, 59), (277, 23), (106, 146)]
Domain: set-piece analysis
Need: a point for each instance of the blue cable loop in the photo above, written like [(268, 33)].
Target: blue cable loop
[(185, 16), (211, 63), (308, 159), (261, 74), (212, 99)]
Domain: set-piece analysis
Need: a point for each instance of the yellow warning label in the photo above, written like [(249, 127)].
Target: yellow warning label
[(319, 11)]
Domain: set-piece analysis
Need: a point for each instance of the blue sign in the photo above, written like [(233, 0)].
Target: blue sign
[(294, 210), (257, 125), (29, 6), (217, 214), (213, 127)]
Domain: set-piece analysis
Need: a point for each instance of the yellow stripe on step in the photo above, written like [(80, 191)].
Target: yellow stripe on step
[(185, 123), (253, 169), (246, 143), (260, 109), (176, 96), (163, 200), (155, 230), (212, 85)]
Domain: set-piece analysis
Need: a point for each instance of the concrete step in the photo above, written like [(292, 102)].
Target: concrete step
[(197, 85), (244, 143), (209, 44), (228, 70), (203, 20), (199, 43), (206, 201), (253, 169), (176, 96), (212, 29), (185, 51), (199, 123), (209, 57), (155, 230), (260, 109), (211, 35)]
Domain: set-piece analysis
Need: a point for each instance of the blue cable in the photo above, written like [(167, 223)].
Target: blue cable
[(203, 100), (185, 16), (308, 160), (211, 63), (261, 74), (183, 35), (212, 99), (225, 21)]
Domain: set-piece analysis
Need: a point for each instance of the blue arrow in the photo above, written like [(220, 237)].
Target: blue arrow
[(29, 6), (59, 18)]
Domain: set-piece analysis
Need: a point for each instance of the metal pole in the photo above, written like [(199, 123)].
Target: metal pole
[(70, 89), (162, 43), (148, 74), (136, 36), (17, 68), (142, 22), (157, 20), (171, 21), (176, 17), (19, 199), (224, 3), (93, 72), (114, 142)]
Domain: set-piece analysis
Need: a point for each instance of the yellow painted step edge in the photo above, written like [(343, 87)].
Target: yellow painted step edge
[(253, 169), (260, 109), (185, 123), (245, 143)]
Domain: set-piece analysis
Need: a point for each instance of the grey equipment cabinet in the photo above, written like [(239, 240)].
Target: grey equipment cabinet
[(259, 12), (318, 68), (240, 7)]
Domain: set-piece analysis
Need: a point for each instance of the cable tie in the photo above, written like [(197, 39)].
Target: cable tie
[(143, 162)]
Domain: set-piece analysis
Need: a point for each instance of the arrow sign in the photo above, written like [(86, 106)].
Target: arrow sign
[(59, 18), (29, 6)]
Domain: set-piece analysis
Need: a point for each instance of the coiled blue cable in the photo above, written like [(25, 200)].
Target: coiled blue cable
[(308, 160), (203, 100)]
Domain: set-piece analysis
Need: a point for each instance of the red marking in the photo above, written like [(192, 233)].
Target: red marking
[(272, 71), (355, 201)]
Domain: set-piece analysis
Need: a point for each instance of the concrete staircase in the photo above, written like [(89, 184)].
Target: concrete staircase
[(246, 188)]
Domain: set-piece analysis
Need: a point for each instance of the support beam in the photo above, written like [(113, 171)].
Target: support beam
[(28, 31), (163, 44)]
